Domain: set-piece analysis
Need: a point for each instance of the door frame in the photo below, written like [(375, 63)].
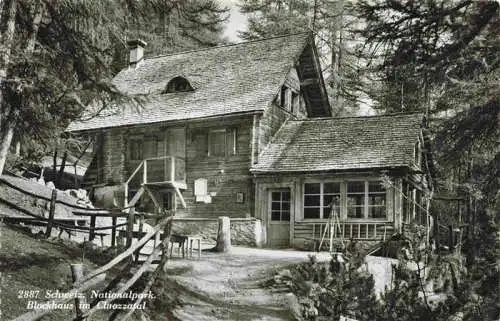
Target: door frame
[(262, 206)]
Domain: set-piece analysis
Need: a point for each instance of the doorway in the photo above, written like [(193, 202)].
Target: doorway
[(279, 217)]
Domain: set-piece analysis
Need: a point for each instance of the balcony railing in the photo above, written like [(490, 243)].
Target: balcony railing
[(157, 170), (348, 230)]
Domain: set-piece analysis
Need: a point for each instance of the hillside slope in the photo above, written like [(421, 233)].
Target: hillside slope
[(28, 262)]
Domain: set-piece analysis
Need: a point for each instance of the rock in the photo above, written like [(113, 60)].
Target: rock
[(50, 185), (73, 193), (82, 194)]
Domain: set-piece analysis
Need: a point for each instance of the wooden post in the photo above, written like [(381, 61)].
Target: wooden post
[(450, 237), (113, 231), (92, 228), (172, 168), (80, 299), (141, 226), (436, 231), (52, 210), (130, 227), (224, 235)]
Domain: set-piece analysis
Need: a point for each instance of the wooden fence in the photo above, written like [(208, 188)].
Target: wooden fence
[(118, 284)]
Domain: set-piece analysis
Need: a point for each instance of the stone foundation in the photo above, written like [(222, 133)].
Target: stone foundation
[(244, 231), (308, 245)]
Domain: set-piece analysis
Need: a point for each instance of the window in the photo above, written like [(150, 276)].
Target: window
[(319, 199), (366, 199), (135, 149), (167, 201), (222, 142), (150, 147), (178, 84), (358, 199), (355, 199), (295, 102), (217, 143), (376, 200), (280, 205), (284, 97)]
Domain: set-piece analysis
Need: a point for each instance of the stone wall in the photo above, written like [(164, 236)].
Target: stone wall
[(361, 245), (244, 231)]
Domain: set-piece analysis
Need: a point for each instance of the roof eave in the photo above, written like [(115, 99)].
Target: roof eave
[(246, 113), (332, 170)]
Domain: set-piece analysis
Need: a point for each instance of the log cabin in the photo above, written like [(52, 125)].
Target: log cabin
[(246, 131)]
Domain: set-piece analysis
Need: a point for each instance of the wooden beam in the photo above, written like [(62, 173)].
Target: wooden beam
[(136, 197), (178, 192)]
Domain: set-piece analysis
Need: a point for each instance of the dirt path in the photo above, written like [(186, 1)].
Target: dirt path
[(230, 287)]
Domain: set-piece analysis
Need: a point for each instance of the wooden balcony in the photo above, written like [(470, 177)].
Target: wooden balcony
[(159, 171)]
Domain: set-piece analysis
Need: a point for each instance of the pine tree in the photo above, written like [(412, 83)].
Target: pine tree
[(331, 22), (60, 56)]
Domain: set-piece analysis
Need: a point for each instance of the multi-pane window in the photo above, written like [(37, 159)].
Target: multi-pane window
[(217, 142), (376, 200), (319, 199), (355, 199), (222, 142), (358, 199), (280, 205)]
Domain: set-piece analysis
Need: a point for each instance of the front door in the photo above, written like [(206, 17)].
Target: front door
[(279, 217)]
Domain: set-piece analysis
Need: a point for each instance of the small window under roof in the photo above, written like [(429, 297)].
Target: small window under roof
[(178, 84)]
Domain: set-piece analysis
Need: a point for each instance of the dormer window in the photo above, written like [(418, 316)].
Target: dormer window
[(178, 84)]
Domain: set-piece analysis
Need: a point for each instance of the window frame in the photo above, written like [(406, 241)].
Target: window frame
[(343, 206), (137, 151), (281, 201), (230, 143), (321, 195), (224, 144)]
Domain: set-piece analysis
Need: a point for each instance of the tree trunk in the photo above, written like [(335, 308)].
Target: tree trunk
[(61, 169), (5, 144), (5, 49), (224, 235)]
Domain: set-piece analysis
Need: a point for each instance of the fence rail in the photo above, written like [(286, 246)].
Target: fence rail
[(164, 222), (348, 230)]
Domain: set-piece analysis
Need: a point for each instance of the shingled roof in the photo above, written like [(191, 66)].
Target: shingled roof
[(238, 78), (342, 144)]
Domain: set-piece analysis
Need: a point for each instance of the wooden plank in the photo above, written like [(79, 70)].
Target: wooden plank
[(178, 192), (136, 197), (129, 251)]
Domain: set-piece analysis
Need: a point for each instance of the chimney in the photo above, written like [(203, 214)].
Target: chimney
[(136, 52)]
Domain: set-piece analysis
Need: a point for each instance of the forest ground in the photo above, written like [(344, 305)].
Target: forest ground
[(235, 286)]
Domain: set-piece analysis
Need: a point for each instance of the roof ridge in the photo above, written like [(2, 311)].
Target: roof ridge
[(227, 45), (359, 117)]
